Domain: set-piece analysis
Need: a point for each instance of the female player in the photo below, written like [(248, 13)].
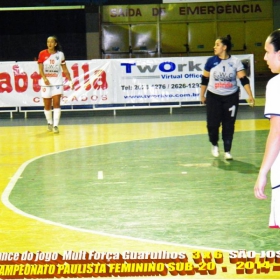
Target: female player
[(220, 79), (271, 158), (51, 64)]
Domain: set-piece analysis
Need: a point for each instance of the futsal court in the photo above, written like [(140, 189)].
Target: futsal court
[(138, 181)]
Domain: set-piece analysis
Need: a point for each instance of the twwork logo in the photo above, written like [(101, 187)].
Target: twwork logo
[(166, 67)]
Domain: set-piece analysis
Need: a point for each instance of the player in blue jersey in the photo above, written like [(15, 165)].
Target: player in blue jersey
[(271, 158), (222, 97)]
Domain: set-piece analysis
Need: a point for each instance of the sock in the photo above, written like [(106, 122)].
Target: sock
[(56, 116), (48, 115), (227, 145)]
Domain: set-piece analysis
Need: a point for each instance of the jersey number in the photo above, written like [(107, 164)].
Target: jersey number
[(232, 109)]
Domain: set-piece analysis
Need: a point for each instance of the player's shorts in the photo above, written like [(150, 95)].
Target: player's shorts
[(274, 218), (50, 91)]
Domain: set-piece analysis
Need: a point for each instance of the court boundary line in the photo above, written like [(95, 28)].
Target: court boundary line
[(7, 191)]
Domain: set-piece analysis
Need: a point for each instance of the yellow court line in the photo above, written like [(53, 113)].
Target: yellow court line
[(260, 101)]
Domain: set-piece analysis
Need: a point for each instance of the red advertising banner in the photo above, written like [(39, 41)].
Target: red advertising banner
[(116, 81)]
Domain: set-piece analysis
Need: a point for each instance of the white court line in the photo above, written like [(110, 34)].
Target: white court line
[(100, 175), (17, 175)]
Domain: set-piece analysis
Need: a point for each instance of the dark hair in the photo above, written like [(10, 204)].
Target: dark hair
[(226, 41), (275, 39), (58, 46)]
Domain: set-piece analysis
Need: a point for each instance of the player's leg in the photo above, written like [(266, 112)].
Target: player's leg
[(57, 92), (46, 94), (214, 112), (230, 109)]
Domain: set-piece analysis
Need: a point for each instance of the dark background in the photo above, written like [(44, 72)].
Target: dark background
[(28, 3), (23, 33)]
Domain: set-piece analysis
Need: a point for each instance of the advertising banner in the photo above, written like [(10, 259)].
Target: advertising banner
[(19, 83), (116, 81), (165, 79)]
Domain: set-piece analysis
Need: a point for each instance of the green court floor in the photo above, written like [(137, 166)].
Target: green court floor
[(166, 189)]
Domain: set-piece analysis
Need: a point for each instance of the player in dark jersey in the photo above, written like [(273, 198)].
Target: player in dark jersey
[(222, 97)]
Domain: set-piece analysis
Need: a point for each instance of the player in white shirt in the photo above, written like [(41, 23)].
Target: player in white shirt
[(271, 158), (51, 65), (219, 78)]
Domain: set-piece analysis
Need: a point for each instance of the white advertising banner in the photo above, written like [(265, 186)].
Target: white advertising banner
[(165, 79), (19, 83), (116, 81)]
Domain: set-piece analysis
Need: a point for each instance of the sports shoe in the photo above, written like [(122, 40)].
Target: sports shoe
[(215, 151), (228, 156), (50, 127), (273, 226), (55, 129)]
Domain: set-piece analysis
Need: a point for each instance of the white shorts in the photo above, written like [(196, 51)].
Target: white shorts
[(274, 219), (50, 91)]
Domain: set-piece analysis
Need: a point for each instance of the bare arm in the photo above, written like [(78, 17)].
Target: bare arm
[(203, 88), (272, 150), (67, 74), (41, 71)]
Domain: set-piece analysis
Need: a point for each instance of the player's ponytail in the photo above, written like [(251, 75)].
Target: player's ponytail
[(227, 42), (275, 39)]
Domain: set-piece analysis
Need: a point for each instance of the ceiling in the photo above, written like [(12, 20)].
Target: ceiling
[(32, 3)]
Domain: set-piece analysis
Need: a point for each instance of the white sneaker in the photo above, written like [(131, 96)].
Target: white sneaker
[(55, 129), (215, 151), (228, 156), (50, 127)]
